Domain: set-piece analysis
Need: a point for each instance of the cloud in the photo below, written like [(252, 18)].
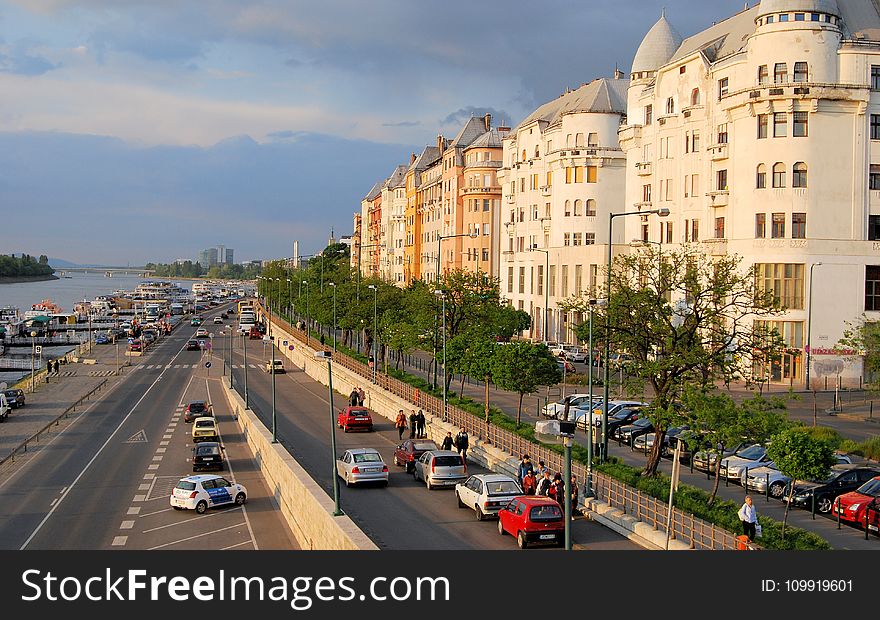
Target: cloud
[(20, 59), (461, 116), (403, 124)]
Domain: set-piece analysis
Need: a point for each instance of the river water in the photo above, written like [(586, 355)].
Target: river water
[(67, 292)]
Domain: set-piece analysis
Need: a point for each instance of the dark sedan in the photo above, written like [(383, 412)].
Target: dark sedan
[(623, 417), (192, 345), (15, 398), (628, 433), (843, 479), (197, 409), (407, 453), (207, 455)]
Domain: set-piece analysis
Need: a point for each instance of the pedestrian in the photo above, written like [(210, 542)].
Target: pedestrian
[(413, 424), (574, 495), (322, 339), (361, 396), (420, 418), (525, 466), (529, 482), (541, 470), (447, 441), (557, 490), (353, 398), (544, 484), (749, 518), (400, 423), (461, 443)]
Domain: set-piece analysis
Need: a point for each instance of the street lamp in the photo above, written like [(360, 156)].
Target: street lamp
[(116, 339), (289, 305), (810, 325), (33, 359), (662, 212), (272, 370), (442, 295), (375, 334), (337, 512), (588, 484), (308, 313), (247, 402), (534, 248), (231, 347), (333, 284)]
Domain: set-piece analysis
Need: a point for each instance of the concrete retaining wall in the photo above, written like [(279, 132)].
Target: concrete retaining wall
[(305, 506)]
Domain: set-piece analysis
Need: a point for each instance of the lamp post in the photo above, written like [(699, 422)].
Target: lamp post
[(810, 325), (272, 367), (534, 248), (33, 359), (442, 295), (116, 339), (247, 402), (333, 284), (375, 348), (231, 347), (662, 212), (308, 313), (289, 305), (588, 484), (337, 512)]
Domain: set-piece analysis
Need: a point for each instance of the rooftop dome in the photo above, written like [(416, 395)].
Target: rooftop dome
[(807, 6), (658, 46)]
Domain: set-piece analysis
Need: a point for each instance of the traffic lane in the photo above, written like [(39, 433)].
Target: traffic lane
[(420, 519), (90, 514)]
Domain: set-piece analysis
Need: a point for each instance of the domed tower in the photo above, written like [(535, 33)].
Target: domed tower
[(658, 46)]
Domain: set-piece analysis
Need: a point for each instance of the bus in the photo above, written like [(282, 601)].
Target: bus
[(245, 304)]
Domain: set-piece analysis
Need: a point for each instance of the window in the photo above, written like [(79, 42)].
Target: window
[(669, 237), (777, 229), (695, 141), (763, 124), (799, 175), (567, 208), (578, 279), (589, 238), (721, 180), (593, 140), (761, 177), (668, 195), (566, 239), (763, 75), (552, 281), (799, 122), (872, 287), (874, 177), (576, 239), (760, 225), (592, 174), (778, 175), (695, 184), (695, 230), (780, 124), (523, 155), (780, 73), (815, 17), (591, 208), (549, 179), (799, 17), (577, 207), (649, 114), (510, 279), (783, 17), (670, 106), (579, 174), (563, 277), (723, 87), (769, 19), (801, 73), (646, 193), (522, 184), (798, 225), (875, 127), (875, 77), (579, 140), (722, 133), (719, 228), (569, 175), (522, 279), (784, 280), (873, 227)]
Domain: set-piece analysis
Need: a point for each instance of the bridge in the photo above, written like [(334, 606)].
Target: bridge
[(126, 271)]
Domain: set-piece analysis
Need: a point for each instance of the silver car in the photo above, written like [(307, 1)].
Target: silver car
[(758, 477), (486, 493), (440, 468), (362, 465)]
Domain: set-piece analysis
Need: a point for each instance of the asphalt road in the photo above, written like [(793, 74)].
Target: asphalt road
[(104, 482), (404, 515)]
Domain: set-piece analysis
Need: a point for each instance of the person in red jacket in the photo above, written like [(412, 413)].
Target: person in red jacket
[(529, 483)]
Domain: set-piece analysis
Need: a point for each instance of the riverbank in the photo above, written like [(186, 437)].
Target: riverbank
[(20, 279)]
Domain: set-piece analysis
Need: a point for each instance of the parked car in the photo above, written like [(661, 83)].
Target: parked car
[(407, 453), (690, 441), (854, 504), (15, 397), (440, 468), (759, 477), (355, 419), (574, 354), (486, 493), (532, 519), (628, 433), (732, 467), (552, 410), (205, 490), (621, 417), (277, 367), (136, 345), (102, 339), (197, 409), (192, 345), (706, 460), (646, 441), (362, 465), (254, 333), (205, 429), (207, 455), (843, 479)]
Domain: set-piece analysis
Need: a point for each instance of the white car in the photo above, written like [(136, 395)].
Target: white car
[(758, 477), (578, 401), (206, 491), (733, 467), (201, 333), (575, 354), (278, 366), (486, 493), (362, 465)]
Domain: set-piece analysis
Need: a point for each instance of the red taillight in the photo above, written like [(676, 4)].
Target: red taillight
[(355, 470), (193, 495), (410, 457), (384, 468), (432, 466), (486, 504)]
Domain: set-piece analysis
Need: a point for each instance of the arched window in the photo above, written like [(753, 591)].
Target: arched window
[(591, 208), (568, 139), (593, 139), (761, 177), (567, 208), (577, 207), (799, 175), (537, 151), (778, 175), (670, 106), (579, 140), (695, 96)]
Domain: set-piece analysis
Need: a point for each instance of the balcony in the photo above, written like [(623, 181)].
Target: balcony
[(494, 189), (484, 164), (545, 223), (719, 198), (716, 247), (643, 205), (546, 190), (718, 151), (511, 198), (644, 168)]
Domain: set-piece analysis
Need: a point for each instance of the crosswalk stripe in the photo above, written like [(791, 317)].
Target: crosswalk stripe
[(251, 365), (177, 365)]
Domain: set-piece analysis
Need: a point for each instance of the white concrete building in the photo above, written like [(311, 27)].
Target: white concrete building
[(563, 173), (391, 256), (761, 134)]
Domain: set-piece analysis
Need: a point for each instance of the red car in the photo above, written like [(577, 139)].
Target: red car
[(136, 346), (406, 454), (355, 419), (854, 504), (532, 519)]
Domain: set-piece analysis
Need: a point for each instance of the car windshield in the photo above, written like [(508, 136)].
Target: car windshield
[(547, 512), (183, 485), (752, 453), (642, 422), (208, 450), (196, 407), (358, 412), (204, 423), (502, 487), (622, 414), (872, 487), (367, 457), (447, 461), (423, 446)]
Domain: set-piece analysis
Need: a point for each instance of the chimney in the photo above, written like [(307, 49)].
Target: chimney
[(412, 159), (440, 142), (487, 120), (618, 74)]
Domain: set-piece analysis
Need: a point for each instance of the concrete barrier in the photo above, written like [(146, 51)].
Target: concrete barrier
[(305, 506)]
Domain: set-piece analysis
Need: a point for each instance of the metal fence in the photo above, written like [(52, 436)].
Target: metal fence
[(695, 532)]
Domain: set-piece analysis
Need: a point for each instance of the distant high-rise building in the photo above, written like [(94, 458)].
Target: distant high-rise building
[(221, 253), (228, 256), (208, 258)]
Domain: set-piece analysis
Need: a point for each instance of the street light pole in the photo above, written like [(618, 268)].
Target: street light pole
[(308, 313), (274, 413), (247, 402), (662, 212), (337, 512), (33, 359), (442, 295), (375, 348), (810, 326), (333, 284)]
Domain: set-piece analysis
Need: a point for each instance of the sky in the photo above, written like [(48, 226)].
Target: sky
[(147, 130)]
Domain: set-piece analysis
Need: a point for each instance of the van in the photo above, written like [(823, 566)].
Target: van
[(254, 333), (4, 408)]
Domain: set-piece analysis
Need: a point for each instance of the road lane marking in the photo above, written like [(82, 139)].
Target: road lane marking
[(126, 525), (150, 514), (53, 502), (196, 536), (205, 516), (157, 458), (163, 443), (139, 498), (144, 487), (119, 541), (247, 542), (134, 511), (153, 467), (149, 476), (160, 450)]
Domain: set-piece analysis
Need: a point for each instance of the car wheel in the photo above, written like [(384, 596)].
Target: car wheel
[(521, 540), (201, 507), (344, 429), (777, 489), (480, 515), (385, 484), (177, 508), (428, 484), (240, 499), (347, 481), (501, 528), (458, 499), (823, 504), (415, 474)]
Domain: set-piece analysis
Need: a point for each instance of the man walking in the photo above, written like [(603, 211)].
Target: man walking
[(400, 423), (420, 418), (544, 484), (525, 466), (361, 396), (413, 424), (461, 443), (749, 518), (447, 442), (353, 398)]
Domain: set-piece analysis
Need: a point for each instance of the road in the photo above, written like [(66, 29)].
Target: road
[(104, 482)]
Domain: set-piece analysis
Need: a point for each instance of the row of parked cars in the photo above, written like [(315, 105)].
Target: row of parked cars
[(10, 399)]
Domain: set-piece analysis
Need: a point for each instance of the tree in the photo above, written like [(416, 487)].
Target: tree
[(521, 367), (479, 361), (800, 457), (862, 337), (686, 319)]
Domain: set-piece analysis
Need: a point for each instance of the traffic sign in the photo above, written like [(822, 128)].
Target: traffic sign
[(207, 364), (39, 349), (290, 347)]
